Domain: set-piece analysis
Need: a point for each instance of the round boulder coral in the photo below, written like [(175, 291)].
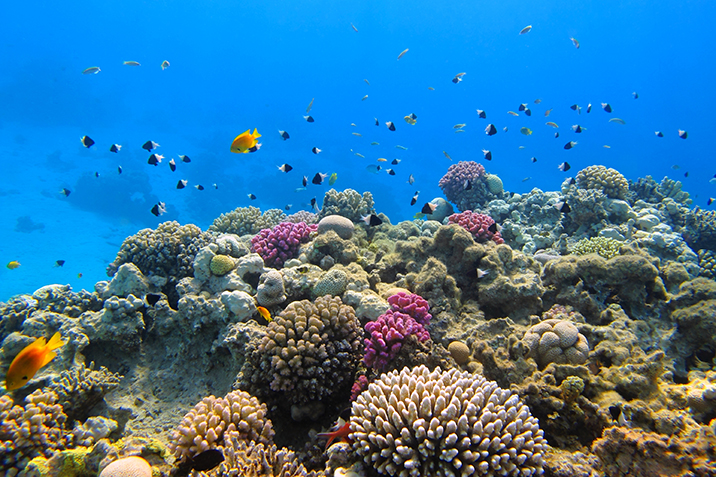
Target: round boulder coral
[(128, 467), (236, 415), (494, 184), (609, 181), (270, 290), (556, 341), (444, 423), (459, 352), (339, 224), (221, 265), (481, 226), (333, 282)]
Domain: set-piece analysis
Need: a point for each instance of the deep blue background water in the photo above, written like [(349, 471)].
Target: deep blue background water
[(239, 65)]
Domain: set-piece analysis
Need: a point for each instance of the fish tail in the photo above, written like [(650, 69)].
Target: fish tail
[(55, 342)]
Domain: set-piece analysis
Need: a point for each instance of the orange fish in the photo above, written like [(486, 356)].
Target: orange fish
[(28, 361), (246, 142), (265, 313), (340, 434)]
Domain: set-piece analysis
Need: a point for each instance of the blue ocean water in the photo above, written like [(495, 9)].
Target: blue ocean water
[(240, 65)]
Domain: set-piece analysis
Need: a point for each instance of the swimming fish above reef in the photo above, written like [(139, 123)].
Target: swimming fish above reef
[(159, 209), (617, 120), (131, 63), (390, 125), (251, 196), (28, 361), (481, 114), (246, 142), (332, 179), (341, 433), (149, 145), (284, 135), (87, 141), (428, 208), (155, 159), (402, 53), (66, 192), (411, 119), (683, 134), (401, 147), (575, 42), (551, 124), (285, 168), (308, 119), (458, 77), (181, 184), (13, 265), (372, 220), (59, 263), (415, 198), (487, 154), (115, 148), (315, 150), (659, 133), (577, 128), (526, 29), (570, 144), (199, 187), (447, 155), (318, 178), (92, 70), (165, 65), (526, 131), (411, 179), (310, 105), (607, 107), (184, 158), (490, 130), (564, 167)]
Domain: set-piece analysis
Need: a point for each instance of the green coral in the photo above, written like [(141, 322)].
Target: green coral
[(494, 184), (332, 282), (221, 264), (607, 247), (707, 264), (609, 181)]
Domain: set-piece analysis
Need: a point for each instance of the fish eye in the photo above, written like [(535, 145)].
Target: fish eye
[(24, 378)]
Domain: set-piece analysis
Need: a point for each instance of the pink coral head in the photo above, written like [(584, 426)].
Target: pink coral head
[(282, 242), (453, 181), (481, 226)]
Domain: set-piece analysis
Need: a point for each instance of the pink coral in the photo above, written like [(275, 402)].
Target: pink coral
[(479, 225), (411, 304), (453, 182), (282, 242)]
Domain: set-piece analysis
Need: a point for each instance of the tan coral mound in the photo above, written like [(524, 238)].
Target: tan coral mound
[(609, 181), (213, 420), (128, 467)]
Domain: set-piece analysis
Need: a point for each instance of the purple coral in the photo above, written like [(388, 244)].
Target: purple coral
[(408, 314), (453, 182), (412, 304), (282, 242), (479, 225)]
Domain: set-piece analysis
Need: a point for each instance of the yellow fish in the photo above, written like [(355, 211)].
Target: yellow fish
[(332, 180), (246, 142), (264, 313), (13, 265), (30, 360), (382, 159), (526, 131)]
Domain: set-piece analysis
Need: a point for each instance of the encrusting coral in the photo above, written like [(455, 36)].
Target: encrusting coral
[(607, 247), (415, 422), (213, 421)]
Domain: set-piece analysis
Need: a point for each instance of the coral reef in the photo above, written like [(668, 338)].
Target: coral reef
[(80, 388), (339, 224), (606, 247), (133, 466), (387, 335), (214, 420), (303, 216), (270, 290), (309, 353), (348, 203), (416, 422), (609, 181), (479, 225), (556, 341), (37, 429), (469, 187), (333, 282), (246, 221), (700, 229), (282, 242)]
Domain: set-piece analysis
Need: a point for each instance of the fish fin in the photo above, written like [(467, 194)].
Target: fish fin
[(55, 342), (48, 357), (256, 134)]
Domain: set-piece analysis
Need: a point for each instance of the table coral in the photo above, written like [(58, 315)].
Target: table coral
[(309, 353), (282, 242), (347, 203), (213, 420), (416, 422), (609, 181), (478, 225)]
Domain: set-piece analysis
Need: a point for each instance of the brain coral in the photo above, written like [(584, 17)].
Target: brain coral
[(609, 181), (282, 242), (246, 221), (348, 203), (310, 351), (221, 264), (607, 247), (333, 282), (168, 251), (271, 290), (556, 341), (494, 184), (128, 467), (478, 225), (339, 224), (213, 420), (444, 423)]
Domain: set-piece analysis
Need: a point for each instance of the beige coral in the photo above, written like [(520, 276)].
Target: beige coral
[(213, 419), (556, 341), (133, 466), (609, 181)]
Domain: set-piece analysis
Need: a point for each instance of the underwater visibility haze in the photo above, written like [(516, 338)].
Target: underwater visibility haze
[(282, 202)]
